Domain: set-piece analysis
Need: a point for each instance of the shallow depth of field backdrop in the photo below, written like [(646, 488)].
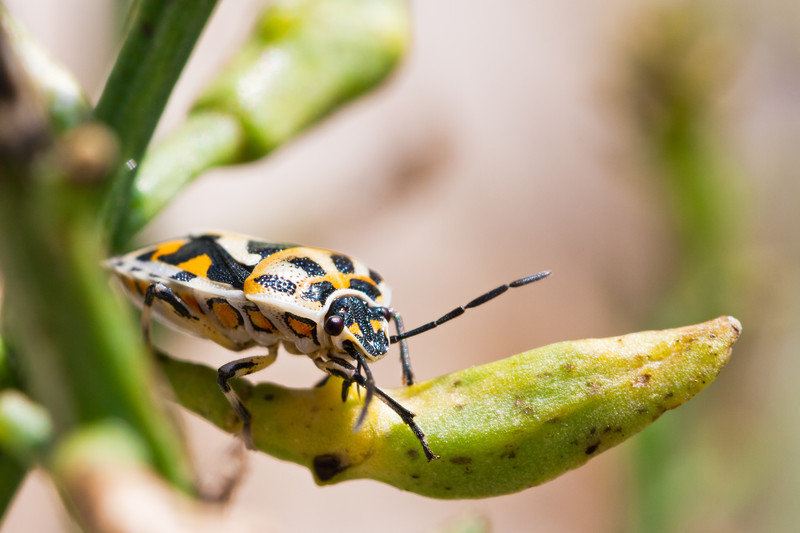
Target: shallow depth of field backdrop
[(519, 136)]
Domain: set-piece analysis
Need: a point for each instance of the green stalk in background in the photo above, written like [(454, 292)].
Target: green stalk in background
[(76, 346), (677, 68)]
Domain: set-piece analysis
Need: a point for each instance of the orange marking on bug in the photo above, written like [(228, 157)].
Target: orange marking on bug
[(355, 329), (130, 284), (259, 321), (167, 248), (377, 325), (227, 315), (191, 301), (142, 286), (197, 265), (303, 329)]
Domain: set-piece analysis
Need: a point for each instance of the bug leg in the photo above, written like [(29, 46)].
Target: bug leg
[(237, 369), (345, 389), (368, 382), (408, 375), (343, 369), (168, 296), (405, 415)]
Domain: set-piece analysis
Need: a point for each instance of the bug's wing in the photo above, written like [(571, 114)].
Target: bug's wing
[(204, 275)]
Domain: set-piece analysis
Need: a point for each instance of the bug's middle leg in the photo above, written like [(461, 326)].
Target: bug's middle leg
[(405, 360), (236, 369)]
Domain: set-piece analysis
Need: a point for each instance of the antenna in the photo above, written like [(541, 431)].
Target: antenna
[(458, 311)]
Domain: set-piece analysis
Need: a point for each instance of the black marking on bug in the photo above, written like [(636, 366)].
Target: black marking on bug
[(183, 275), (276, 283), (147, 256), (374, 276), (266, 249), (343, 263), (224, 268), (367, 288), (319, 292), (311, 267)]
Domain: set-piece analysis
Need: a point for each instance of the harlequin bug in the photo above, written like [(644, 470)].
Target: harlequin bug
[(239, 292)]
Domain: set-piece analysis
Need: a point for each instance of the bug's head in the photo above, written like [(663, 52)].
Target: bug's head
[(365, 326)]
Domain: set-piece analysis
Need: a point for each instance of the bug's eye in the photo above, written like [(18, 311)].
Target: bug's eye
[(387, 314), (334, 325)]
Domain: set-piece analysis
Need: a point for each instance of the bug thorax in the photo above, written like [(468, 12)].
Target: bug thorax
[(353, 321)]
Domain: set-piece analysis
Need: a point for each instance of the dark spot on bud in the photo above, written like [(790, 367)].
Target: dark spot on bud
[(508, 455), (461, 460), (329, 465), (593, 448)]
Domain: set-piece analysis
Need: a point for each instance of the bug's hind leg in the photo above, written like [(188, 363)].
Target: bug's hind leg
[(159, 291), (237, 369)]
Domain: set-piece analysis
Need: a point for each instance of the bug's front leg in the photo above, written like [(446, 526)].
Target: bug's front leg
[(237, 369), (341, 368)]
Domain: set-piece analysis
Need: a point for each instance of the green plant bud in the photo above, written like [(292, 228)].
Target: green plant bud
[(498, 428)]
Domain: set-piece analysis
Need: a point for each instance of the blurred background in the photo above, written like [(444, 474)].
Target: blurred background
[(646, 153)]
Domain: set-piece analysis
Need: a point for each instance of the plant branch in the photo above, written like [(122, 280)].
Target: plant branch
[(77, 347)]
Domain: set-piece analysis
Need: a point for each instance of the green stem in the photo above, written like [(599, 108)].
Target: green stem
[(160, 39)]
